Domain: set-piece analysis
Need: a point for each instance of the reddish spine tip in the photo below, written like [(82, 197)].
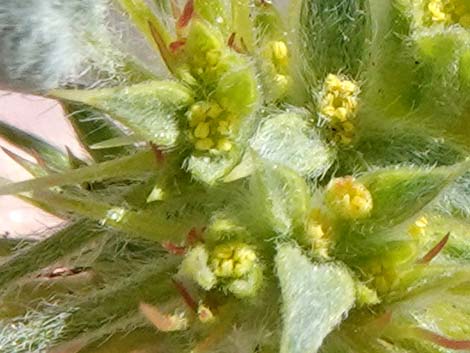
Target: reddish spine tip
[(188, 299), (174, 249), (442, 341), (431, 254), (188, 13), (159, 155), (177, 45), (193, 237)]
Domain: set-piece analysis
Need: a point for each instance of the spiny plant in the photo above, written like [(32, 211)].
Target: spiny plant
[(263, 177)]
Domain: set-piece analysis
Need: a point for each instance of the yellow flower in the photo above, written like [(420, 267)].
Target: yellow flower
[(418, 228), (233, 260), (449, 12), (348, 198), (318, 232), (338, 106), (211, 126), (436, 10)]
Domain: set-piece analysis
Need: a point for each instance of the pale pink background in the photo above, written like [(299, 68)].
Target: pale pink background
[(44, 117)]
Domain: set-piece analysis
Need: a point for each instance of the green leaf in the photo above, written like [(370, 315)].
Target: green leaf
[(134, 165), (214, 11), (288, 140), (401, 192), (386, 143), (32, 168), (211, 169), (149, 108), (281, 196), (398, 195), (31, 144), (242, 23), (237, 91), (315, 297), (93, 127), (47, 251), (335, 37), (158, 224)]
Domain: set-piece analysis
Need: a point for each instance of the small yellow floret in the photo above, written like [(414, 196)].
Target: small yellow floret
[(279, 50), (224, 145), (233, 260), (202, 130), (281, 80), (418, 228), (338, 105), (339, 98), (211, 126), (214, 110), (318, 232), (348, 198), (213, 57), (204, 144), (449, 12), (223, 127), (436, 10)]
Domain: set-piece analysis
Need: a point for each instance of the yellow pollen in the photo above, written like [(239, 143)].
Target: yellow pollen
[(214, 111), (233, 260), (279, 50), (418, 228), (211, 126), (202, 130), (448, 12), (204, 144), (281, 80), (348, 198), (318, 233), (213, 57), (338, 105), (224, 145), (436, 10)]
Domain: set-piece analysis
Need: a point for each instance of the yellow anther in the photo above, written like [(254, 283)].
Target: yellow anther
[(202, 130), (339, 98), (348, 198), (213, 57), (233, 260), (223, 127), (279, 50), (341, 114), (418, 228), (436, 10), (224, 145), (214, 110), (196, 114), (318, 232), (204, 144), (281, 80), (449, 12), (210, 126), (338, 105)]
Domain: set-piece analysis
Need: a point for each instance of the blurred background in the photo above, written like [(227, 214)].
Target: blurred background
[(44, 118)]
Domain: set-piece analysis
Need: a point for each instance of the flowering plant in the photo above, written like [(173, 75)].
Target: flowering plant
[(262, 177)]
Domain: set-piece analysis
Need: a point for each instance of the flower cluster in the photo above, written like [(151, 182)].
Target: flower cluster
[(338, 106)]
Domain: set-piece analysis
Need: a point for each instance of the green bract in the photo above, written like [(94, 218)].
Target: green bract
[(287, 177)]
